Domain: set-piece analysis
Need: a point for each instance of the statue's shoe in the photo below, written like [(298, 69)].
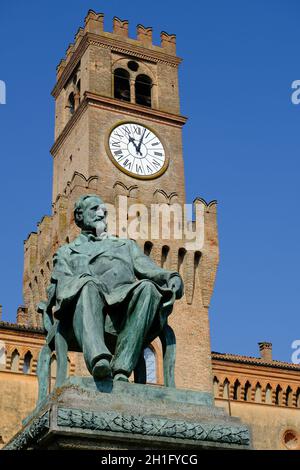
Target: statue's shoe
[(120, 377), (101, 369)]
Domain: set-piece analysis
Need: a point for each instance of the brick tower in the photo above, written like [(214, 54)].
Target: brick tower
[(118, 133)]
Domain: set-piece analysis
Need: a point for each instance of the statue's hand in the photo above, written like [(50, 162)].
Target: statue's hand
[(176, 284)]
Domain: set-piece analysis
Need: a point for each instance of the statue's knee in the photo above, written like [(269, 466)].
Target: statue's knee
[(150, 288), (90, 286)]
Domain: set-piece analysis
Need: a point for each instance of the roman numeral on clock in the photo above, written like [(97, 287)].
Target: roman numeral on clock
[(115, 144), (137, 130), (127, 164), (138, 169), (155, 163), (116, 133)]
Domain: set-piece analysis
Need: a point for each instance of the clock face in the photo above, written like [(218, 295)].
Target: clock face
[(137, 151)]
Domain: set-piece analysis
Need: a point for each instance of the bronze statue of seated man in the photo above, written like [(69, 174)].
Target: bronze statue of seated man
[(103, 286)]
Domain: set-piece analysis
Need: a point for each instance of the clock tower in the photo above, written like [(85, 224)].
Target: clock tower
[(118, 133)]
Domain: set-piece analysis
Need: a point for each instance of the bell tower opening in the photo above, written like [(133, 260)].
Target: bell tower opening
[(122, 85)]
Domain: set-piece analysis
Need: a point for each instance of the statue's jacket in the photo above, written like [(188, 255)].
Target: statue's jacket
[(116, 265)]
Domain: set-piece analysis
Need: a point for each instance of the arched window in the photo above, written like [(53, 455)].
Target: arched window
[(278, 395), (257, 395), (15, 359), (247, 391), (288, 396), (226, 389), (71, 103), (298, 398), (148, 248), (216, 387), (122, 85), (150, 360), (143, 85), (164, 255), (268, 394), (27, 363), (2, 354), (236, 390)]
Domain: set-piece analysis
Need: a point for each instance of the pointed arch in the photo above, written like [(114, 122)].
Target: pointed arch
[(226, 384), (27, 363), (247, 391), (236, 390), (297, 397), (3, 354), (258, 393), (268, 397), (288, 396), (278, 395), (15, 360), (216, 385)]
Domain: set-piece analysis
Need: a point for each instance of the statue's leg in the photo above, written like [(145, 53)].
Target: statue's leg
[(42, 370), (88, 325), (168, 341), (61, 348), (141, 311)]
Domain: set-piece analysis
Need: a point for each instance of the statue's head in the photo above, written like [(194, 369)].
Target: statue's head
[(90, 214)]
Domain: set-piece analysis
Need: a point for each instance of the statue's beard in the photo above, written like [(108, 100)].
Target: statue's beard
[(101, 227)]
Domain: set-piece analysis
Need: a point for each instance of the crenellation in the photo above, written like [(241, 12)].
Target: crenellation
[(78, 36), (94, 31), (168, 42), (69, 53), (144, 35), (120, 27), (60, 68), (30, 248), (23, 317), (94, 22)]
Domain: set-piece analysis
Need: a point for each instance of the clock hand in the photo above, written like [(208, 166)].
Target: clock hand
[(132, 140), (140, 142)]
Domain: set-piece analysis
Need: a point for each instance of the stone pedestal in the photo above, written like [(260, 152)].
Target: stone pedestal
[(88, 414)]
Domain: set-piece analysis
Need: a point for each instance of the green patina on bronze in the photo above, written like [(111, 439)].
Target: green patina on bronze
[(109, 300)]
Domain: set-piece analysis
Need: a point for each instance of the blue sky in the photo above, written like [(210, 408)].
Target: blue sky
[(241, 145)]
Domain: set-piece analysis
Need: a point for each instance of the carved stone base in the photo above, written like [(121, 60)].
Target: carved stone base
[(85, 414)]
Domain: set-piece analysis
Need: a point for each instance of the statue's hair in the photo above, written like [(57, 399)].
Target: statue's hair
[(80, 204)]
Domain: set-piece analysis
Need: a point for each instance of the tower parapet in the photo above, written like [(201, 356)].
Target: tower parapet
[(94, 26)]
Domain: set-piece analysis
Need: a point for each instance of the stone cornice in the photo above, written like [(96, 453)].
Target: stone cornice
[(23, 328), (254, 361), (115, 45), (128, 109)]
